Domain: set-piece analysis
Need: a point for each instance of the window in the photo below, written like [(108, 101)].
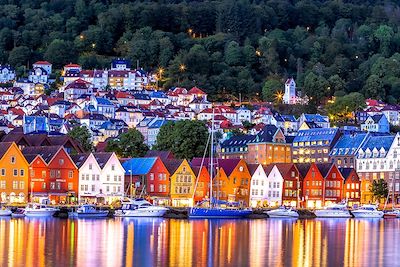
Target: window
[(151, 188), (70, 186), (115, 178), (15, 185), (93, 187), (97, 177), (90, 166), (151, 176), (21, 185), (87, 177), (108, 188), (12, 159), (58, 174), (43, 185), (93, 177), (82, 187), (334, 175), (3, 184), (43, 174), (3, 172), (113, 167), (108, 178), (58, 185), (15, 172), (61, 161), (52, 185)]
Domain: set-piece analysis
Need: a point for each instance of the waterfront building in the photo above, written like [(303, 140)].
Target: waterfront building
[(333, 185), (352, 185), (235, 147), (148, 177), (183, 181), (202, 190), (53, 174), (314, 145), (13, 174), (291, 183), (258, 186), (373, 161), (275, 185), (313, 185)]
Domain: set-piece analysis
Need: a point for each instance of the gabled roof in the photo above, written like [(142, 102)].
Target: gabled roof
[(102, 158), (345, 172), (377, 117), (172, 165), (196, 91), (266, 134), (303, 168), (4, 146), (323, 168), (46, 152), (268, 168), (79, 159), (163, 155), (324, 134), (252, 168), (138, 166), (228, 165), (42, 63), (284, 168), (378, 142)]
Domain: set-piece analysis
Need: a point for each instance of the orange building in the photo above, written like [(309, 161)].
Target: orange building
[(269, 146), (13, 174), (232, 180), (202, 187)]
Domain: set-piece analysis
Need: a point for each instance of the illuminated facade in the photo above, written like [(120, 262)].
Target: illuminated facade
[(314, 145)]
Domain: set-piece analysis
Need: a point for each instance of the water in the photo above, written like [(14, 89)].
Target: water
[(163, 242)]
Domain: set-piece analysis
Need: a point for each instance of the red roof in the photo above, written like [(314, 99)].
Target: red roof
[(71, 65), (17, 111), (78, 83), (42, 63), (196, 91), (120, 94), (180, 90)]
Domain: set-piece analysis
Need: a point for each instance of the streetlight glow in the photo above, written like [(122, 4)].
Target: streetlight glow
[(182, 67)]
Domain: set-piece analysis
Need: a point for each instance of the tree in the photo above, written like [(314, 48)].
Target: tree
[(19, 56), (379, 189), (59, 53), (82, 135), (315, 87), (343, 106), (233, 54), (271, 87), (186, 139), (374, 87), (129, 144)]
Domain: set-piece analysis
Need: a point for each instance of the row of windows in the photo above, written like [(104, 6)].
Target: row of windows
[(86, 177), (57, 174), (161, 176), (14, 172), (314, 192), (353, 186), (183, 178), (254, 192), (116, 178), (290, 193), (310, 151), (85, 187), (182, 189), (314, 183), (332, 184), (312, 143), (161, 188), (332, 193), (352, 195), (15, 184), (307, 160)]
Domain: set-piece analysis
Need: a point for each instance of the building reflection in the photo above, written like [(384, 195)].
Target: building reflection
[(159, 242)]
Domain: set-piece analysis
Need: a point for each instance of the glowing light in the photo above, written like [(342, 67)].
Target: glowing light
[(182, 67), (93, 45), (81, 36), (279, 96), (258, 53)]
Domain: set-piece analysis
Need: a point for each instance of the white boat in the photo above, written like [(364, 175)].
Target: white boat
[(339, 210), (5, 211), (88, 211), (140, 208), (367, 211), (283, 212), (39, 210)]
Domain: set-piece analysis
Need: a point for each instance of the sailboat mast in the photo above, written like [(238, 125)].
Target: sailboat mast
[(212, 156)]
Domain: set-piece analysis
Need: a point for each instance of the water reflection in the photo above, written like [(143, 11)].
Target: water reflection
[(159, 242)]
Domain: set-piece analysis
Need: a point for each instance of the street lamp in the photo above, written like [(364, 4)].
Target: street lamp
[(130, 184), (182, 67)]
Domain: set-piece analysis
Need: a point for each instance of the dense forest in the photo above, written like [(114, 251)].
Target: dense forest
[(226, 47)]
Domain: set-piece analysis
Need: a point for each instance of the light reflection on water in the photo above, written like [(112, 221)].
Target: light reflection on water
[(162, 242)]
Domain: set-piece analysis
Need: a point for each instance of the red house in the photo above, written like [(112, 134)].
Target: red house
[(333, 191), (291, 183), (313, 185), (352, 186), (303, 169), (52, 174), (149, 177)]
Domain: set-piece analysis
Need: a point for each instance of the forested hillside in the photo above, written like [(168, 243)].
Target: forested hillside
[(226, 47)]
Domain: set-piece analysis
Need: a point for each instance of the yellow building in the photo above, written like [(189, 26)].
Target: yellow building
[(183, 181), (13, 174)]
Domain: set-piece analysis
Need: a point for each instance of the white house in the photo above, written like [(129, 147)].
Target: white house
[(275, 185), (7, 73), (244, 114), (101, 177), (258, 186), (376, 123), (392, 114)]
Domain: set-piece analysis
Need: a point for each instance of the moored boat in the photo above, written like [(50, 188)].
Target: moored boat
[(140, 208), (282, 212), (88, 211), (391, 214), (367, 211), (5, 211), (339, 210), (39, 210), (218, 213)]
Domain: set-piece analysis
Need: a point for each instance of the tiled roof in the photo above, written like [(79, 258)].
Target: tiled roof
[(315, 118), (46, 152), (103, 101), (138, 166), (348, 144), (378, 142), (237, 141), (324, 134)]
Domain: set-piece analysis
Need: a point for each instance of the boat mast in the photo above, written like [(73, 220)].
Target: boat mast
[(211, 156)]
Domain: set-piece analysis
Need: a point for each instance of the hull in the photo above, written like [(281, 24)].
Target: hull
[(377, 214), (283, 214), (37, 213), (332, 214), (159, 212), (218, 213), (88, 215), (17, 215), (5, 212)]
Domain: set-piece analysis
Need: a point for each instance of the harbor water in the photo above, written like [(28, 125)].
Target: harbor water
[(170, 242)]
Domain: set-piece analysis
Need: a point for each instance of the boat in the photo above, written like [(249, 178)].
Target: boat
[(88, 211), (367, 211), (39, 210), (282, 212), (391, 214), (338, 210), (139, 208), (214, 209), (18, 213), (5, 211)]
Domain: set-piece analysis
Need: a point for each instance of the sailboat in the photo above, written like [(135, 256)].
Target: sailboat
[(214, 210), (394, 213)]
